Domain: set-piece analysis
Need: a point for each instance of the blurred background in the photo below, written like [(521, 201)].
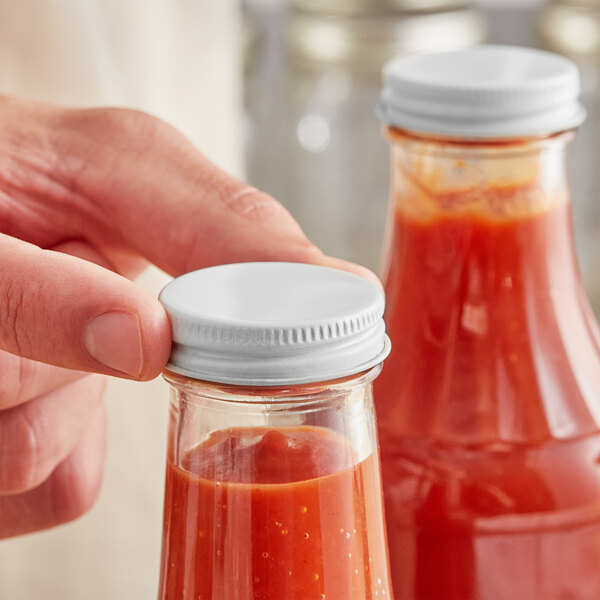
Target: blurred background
[(281, 93), (312, 76)]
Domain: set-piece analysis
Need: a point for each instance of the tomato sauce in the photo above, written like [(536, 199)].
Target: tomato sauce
[(489, 404), (259, 513)]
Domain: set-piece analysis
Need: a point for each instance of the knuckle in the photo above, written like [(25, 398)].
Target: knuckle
[(132, 130), (129, 119), (19, 442), (251, 203), (12, 313), (12, 380), (133, 127)]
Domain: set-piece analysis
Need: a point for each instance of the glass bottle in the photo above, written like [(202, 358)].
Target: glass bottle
[(489, 405), (273, 480)]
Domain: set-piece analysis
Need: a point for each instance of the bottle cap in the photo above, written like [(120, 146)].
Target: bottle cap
[(482, 92), (274, 323)]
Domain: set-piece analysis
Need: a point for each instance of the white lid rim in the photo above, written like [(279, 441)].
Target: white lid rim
[(301, 331), (277, 381), (486, 129)]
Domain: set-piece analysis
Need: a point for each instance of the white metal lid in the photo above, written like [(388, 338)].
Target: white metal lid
[(274, 323), (483, 91)]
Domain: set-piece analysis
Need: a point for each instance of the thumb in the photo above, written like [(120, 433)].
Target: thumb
[(68, 312)]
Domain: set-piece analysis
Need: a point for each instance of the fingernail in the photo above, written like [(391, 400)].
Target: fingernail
[(114, 339)]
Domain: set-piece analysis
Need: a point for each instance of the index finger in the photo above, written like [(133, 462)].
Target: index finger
[(169, 203)]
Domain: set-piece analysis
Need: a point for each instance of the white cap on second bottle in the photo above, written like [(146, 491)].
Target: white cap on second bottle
[(482, 92)]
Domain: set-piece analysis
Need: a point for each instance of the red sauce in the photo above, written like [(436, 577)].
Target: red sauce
[(488, 409), (257, 513)]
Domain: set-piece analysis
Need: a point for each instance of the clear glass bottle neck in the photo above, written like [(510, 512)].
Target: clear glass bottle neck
[(432, 176), (343, 407), (459, 183)]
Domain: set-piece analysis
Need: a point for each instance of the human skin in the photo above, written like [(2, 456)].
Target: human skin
[(88, 198)]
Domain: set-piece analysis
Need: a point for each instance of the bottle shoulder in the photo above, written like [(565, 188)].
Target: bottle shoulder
[(492, 336)]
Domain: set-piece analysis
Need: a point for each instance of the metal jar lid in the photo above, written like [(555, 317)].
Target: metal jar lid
[(274, 323), (482, 92)]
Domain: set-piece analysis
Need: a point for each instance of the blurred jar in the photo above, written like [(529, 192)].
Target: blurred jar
[(312, 79), (489, 404), (571, 26), (273, 481)]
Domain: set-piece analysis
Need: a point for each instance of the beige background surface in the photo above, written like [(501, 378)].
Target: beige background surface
[(178, 60)]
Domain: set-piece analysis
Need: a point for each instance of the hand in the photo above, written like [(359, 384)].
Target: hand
[(87, 198)]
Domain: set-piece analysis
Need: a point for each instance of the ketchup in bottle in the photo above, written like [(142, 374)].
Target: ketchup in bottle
[(273, 486), (489, 404)]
